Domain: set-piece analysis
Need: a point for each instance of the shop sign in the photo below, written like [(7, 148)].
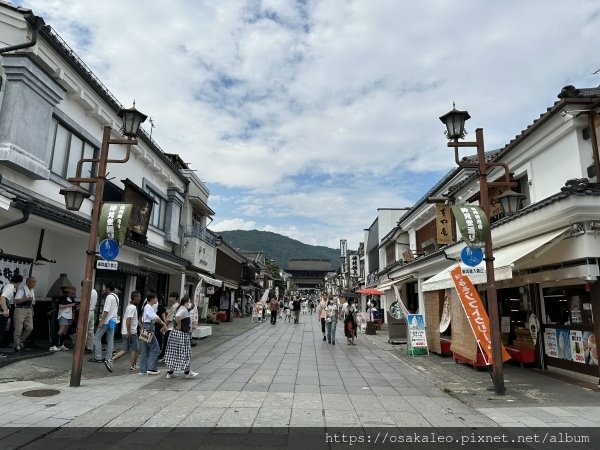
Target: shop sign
[(114, 220), (210, 290), (107, 265), (343, 248), (417, 339), (472, 223), (477, 270), (443, 224), (476, 313)]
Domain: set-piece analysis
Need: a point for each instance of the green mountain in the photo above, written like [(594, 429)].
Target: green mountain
[(279, 248)]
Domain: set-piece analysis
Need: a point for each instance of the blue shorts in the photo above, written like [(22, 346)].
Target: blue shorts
[(62, 321), (130, 344)]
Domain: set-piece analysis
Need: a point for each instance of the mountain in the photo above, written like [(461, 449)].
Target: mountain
[(279, 248)]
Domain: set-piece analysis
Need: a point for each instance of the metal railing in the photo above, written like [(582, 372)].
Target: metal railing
[(200, 233)]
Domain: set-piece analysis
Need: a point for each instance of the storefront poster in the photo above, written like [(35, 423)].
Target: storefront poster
[(577, 350), (562, 344), (550, 343), (590, 349), (417, 340)]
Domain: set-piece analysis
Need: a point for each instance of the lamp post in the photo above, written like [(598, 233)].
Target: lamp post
[(455, 130), (74, 196)]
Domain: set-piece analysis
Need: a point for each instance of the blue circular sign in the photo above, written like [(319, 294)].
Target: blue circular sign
[(109, 249), (471, 256)]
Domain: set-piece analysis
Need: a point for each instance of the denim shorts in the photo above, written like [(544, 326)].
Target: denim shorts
[(62, 321), (130, 344)]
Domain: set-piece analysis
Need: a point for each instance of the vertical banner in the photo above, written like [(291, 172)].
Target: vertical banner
[(343, 248), (399, 304), (354, 268), (472, 223), (478, 318), (114, 221), (443, 223)]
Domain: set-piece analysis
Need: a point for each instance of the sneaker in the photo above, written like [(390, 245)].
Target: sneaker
[(191, 374), (169, 375), (94, 360), (161, 360), (64, 347), (54, 348), (153, 372), (324, 338), (141, 373), (109, 364)]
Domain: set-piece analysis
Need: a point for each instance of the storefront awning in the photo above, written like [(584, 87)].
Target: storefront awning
[(388, 284), (209, 280), (504, 259)]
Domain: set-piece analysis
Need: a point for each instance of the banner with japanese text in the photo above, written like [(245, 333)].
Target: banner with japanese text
[(476, 313), (472, 223), (443, 224), (114, 220)]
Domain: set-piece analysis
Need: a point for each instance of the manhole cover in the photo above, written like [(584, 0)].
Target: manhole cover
[(41, 393)]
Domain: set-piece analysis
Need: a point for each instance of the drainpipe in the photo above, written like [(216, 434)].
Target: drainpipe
[(25, 211), (36, 24)]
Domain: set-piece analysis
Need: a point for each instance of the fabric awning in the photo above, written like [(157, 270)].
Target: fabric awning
[(504, 259), (213, 281), (388, 284)]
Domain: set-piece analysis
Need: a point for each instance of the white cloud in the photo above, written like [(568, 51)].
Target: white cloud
[(258, 95)]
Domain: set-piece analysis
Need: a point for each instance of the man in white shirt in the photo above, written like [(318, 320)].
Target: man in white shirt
[(106, 324), (129, 328), (6, 300), (23, 315), (89, 341)]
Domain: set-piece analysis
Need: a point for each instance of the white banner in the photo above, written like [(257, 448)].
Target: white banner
[(343, 248), (8, 268)]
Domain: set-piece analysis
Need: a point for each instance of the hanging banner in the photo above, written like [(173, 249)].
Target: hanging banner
[(443, 223), (343, 248), (478, 318), (402, 309), (114, 220), (446, 317), (472, 223)]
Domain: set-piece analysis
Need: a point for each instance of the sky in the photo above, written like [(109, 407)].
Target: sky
[(304, 117)]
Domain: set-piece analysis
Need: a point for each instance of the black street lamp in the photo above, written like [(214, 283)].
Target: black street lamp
[(74, 197), (510, 200)]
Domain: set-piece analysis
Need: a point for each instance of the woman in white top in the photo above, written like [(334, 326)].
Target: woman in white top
[(149, 350), (65, 316), (179, 354)]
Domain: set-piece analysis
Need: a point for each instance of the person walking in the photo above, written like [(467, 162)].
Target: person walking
[(311, 306), (129, 327), (274, 307), (296, 309), (333, 312), (23, 315), (350, 321), (65, 316), (170, 321), (89, 339), (322, 315), (304, 306), (149, 350), (178, 355), (106, 324), (6, 300)]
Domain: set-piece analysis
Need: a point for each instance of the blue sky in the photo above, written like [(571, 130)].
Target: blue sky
[(304, 117)]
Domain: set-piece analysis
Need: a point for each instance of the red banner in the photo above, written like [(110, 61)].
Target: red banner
[(480, 322)]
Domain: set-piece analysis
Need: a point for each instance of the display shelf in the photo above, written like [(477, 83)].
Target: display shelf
[(522, 356)]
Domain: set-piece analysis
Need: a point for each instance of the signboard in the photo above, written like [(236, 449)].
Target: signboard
[(107, 265), (550, 343), (476, 313), (108, 249), (114, 220), (210, 290), (477, 270), (354, 267), (343, 248), (417, 340), (443, 224), (472, 223), (577, 350), (471, 256), (344, 267), (142, 207)]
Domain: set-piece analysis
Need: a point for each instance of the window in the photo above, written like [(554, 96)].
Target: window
[(65, 149), (159, 209), (523, 188)]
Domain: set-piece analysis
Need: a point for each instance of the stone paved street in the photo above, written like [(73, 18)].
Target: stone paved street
[(286, 376)]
